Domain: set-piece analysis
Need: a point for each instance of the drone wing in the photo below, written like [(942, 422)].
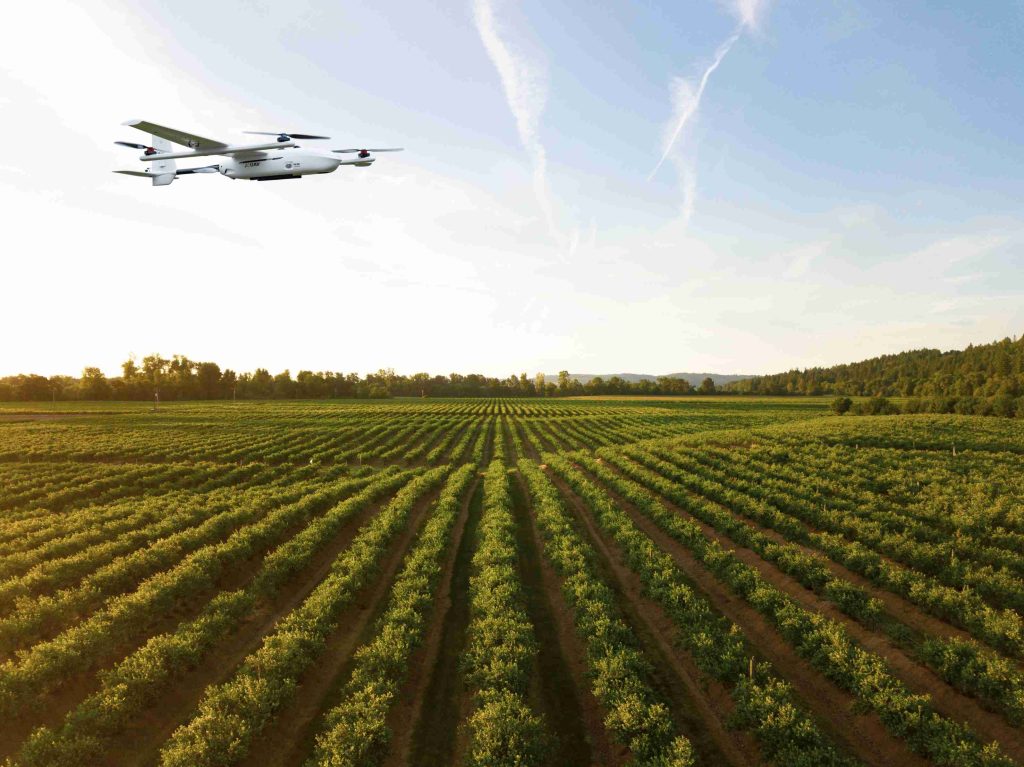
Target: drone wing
[(190, 140)]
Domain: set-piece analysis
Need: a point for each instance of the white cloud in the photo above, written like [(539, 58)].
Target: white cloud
[(686, 96), (525, 83), (686, 101), (748, 12)]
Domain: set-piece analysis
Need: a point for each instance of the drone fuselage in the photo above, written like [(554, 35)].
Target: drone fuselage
[(286, 163), (266, 161)]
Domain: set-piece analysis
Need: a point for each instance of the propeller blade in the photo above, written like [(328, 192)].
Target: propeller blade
[(285, 133), (349, 151), (131, 145)]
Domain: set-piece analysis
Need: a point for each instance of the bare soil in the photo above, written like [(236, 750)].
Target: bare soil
[(862, 734), (140, 743), (700, 705), (556, 691), (290, 736), (918, 678), (409, 709), (437, 740)]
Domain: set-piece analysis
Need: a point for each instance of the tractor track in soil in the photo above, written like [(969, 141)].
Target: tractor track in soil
[(917, 677), (554, 689), (411, 698), (862, 735), (76, 687), (435, 737), (699, 706), (290, 736), (139, 744)]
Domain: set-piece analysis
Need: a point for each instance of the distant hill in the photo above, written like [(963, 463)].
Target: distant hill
[(986, 370), (694, 379)]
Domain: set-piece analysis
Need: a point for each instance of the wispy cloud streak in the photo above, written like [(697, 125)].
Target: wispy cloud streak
[(525, 85), (686, 101)]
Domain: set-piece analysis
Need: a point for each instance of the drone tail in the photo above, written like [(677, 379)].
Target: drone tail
[(163, 171)]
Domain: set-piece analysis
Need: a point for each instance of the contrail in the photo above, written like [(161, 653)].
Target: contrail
[(689, 109), (526, 92)]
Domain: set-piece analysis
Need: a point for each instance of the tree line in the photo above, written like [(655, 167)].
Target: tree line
[(980, 380), (180, 378)]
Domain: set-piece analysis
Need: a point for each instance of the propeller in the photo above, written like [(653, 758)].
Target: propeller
[(366, 152), (148, 149), (281, 136)]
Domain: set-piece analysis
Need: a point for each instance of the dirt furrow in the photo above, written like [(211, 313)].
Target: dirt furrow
[(140, 743), (436, 739), (862, 734), (560, 690), (918, 678), (289, 737), (409, 709), (700, 706)]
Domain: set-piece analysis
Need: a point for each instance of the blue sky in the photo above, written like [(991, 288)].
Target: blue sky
[(849, 183)]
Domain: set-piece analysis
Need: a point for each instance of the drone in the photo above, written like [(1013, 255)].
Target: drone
[(271, 161)]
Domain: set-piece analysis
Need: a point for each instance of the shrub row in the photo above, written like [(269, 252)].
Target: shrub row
[(635, 717), (503, 731), (716, 645), (992, 678), (1002, 629), (825, 644), (25, 680), (232, 713), (354, 732)]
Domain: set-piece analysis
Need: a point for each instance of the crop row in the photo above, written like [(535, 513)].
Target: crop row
[(141, 678), (827, 647), (764, 704), (955, 557), (992, 679), (500, 644), (354, 732), (635, 717), (829, 533), (75, 530), (232, 713), (46, 665)]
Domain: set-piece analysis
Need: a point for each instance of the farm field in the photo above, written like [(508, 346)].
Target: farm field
[(708, 581)]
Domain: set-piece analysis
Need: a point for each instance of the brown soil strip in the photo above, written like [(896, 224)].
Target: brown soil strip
[(699, 705), (489, 441), (409, 708), (141, 741), (905, 611), (898, 608), (556, 689), (77, 686), (918, 678), (863, 735), (511, 454), (531, 451), (436, 739), (289, 737)]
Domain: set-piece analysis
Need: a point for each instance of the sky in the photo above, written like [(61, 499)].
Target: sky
[(736, 186)]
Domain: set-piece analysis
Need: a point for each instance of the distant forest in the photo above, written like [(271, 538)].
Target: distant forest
[(985, 380), (980, 379), (180, 378)]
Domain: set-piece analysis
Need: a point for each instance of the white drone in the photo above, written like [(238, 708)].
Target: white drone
[(258, 162)]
